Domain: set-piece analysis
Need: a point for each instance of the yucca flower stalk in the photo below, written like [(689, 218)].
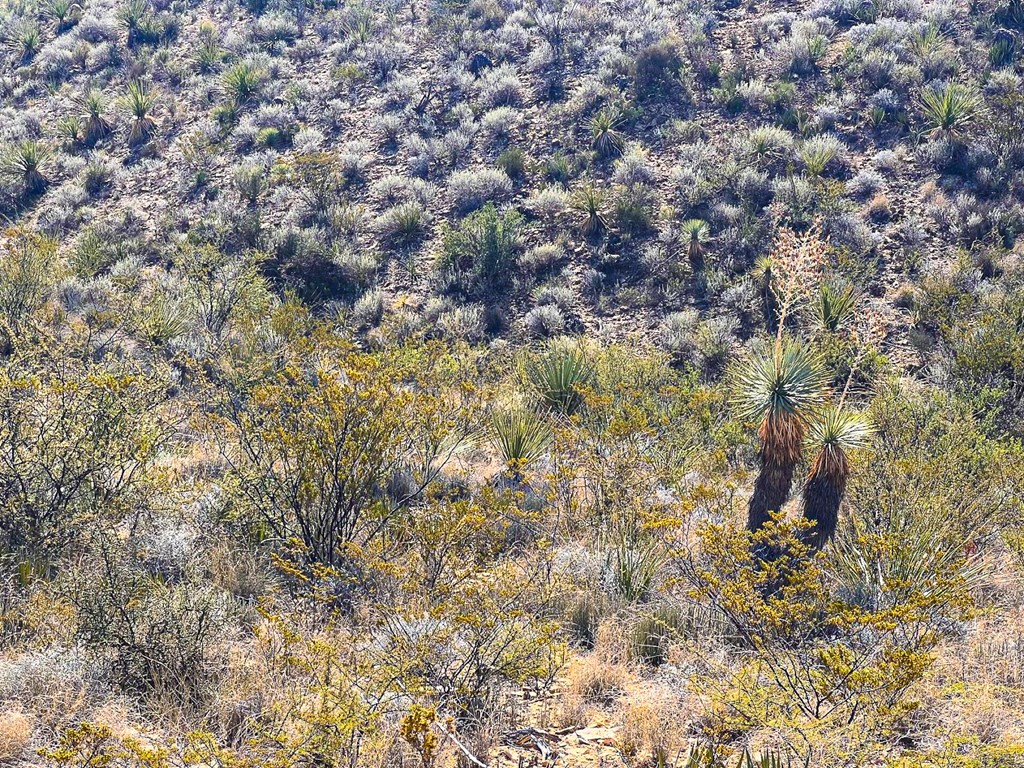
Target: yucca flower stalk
[(830, 436), (780, 386)]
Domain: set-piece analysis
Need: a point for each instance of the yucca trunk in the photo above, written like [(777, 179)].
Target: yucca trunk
[(826, 486), (781, 440)]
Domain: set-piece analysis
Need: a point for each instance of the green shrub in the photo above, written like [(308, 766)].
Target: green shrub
[(584, 620), (273, 138), (513, 163), (482, 250), (158, 638), (657, 69), (242, 82)]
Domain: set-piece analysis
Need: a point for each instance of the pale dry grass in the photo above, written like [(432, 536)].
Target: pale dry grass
[(15, 735), (595, 680), (654, 725)]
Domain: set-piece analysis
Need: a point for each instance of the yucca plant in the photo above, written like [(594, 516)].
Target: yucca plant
[(209, 55), (25, 40), (1003, 50), (830, 435), (27, 161), (559, 376), (589, 200), (781, 387), (96, 126), (521, 437), (139, 102), (136, 18), (927, 41), (359, 26), (242, 81), (696, 234), (631, 567), (69, 129), (64, 12), (835, 305), (950, 111), (605, 137)]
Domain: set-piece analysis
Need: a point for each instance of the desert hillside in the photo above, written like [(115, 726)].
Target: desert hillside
[(501, 384)]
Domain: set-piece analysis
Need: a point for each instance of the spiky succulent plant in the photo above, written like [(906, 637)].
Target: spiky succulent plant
[(780, 386), (830, 436), (520, 436), (951, 110), (696, 233)]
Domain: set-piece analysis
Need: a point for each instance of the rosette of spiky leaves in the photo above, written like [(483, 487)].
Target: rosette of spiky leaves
[(780, 386), (606, 138), (520, 436), (589, 201), (695, 234), (835, 304), (27, 161), (951, 110), (830, 436), (96, 125), (560, 375), (140, 102)]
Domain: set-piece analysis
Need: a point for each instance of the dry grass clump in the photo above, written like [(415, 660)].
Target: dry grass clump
[(15, 735), (651, 732)]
